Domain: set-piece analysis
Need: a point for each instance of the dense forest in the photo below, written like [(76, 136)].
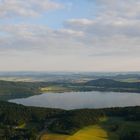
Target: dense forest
[(12, 89), (20, 122)]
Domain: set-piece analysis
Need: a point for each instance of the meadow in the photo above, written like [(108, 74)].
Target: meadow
[(109, 129)]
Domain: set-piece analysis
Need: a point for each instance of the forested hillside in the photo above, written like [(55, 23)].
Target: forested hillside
[(20, 122)]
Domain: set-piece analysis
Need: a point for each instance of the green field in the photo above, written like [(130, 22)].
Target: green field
[(105, 130), (54, 89), (88, 133)]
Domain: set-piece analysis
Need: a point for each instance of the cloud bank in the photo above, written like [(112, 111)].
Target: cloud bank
[(26, 8), (107, 42)]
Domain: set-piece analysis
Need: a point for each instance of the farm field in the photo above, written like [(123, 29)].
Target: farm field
[(88, 133), (105, 130)]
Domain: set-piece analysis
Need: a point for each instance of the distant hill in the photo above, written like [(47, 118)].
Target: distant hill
[(109, 83), (11, 90), (103, 82)]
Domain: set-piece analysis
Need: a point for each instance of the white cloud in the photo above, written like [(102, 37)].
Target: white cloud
[(120, 8), (106, 27), (109, 41), (26, 8), (81, 22), (117, 24), (40, 39)]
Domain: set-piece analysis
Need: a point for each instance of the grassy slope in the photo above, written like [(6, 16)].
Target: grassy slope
[(95, 132), (101, 131), (88, 133)]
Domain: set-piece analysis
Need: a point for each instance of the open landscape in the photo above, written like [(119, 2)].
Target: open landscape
[(84, 119), (69, 69), (55, 124)]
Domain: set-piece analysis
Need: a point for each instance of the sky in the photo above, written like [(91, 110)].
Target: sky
[(70, 35)]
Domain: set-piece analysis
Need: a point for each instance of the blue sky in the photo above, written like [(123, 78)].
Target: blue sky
[(69, 35), (54, 18)]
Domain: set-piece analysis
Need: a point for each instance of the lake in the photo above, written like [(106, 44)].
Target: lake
[(78, 100)]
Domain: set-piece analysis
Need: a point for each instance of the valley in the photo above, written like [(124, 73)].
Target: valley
[(77, 123), (14, 89)]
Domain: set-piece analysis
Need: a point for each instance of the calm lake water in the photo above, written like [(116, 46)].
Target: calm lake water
[(77, 100)]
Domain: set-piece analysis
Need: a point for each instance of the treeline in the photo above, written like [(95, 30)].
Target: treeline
[(76, 119), (11, 90), (73, 120), (20, 122), (109, 83)]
